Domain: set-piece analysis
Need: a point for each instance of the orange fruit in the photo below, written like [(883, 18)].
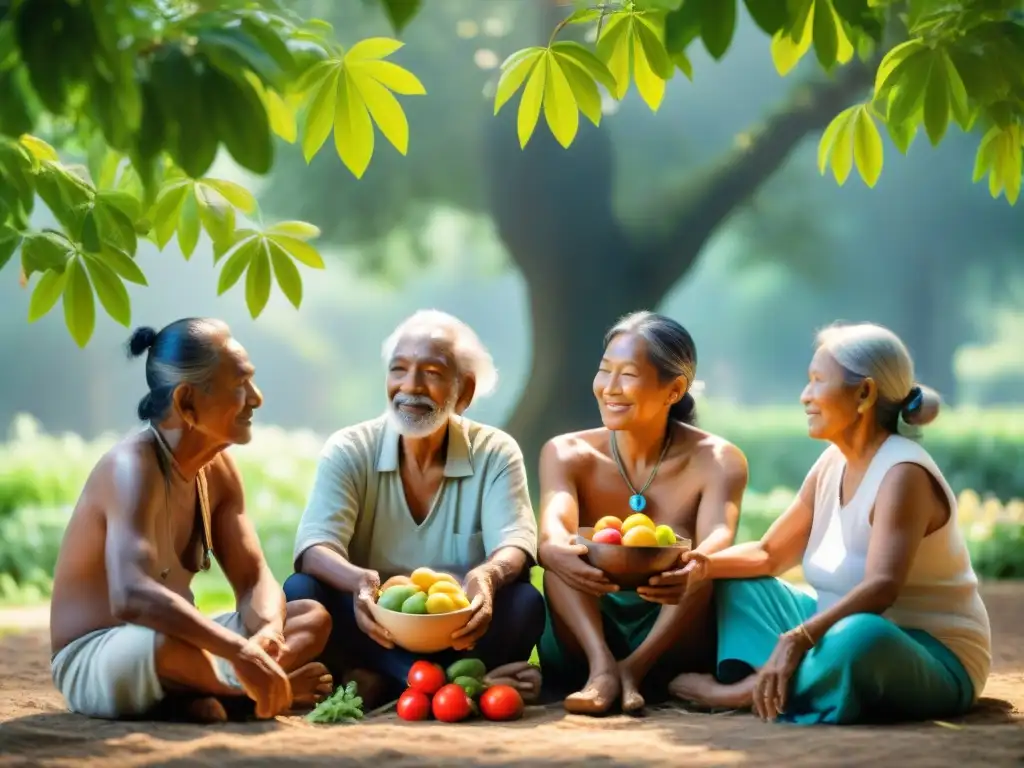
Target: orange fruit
[(608, 521), (640, 536)]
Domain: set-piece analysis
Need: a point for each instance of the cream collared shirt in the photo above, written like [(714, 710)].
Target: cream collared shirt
[(482, 505)]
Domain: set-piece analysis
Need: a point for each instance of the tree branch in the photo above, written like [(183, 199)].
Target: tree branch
[(704, 205)]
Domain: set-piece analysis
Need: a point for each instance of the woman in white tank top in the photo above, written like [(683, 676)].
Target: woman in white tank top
[(898, 630)]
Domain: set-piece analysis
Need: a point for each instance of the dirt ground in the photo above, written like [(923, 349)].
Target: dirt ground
[(36, 730)]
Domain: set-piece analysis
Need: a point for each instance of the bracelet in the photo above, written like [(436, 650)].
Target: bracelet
[(806, 634)]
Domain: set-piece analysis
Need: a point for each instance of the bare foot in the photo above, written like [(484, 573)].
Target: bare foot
[(706, 691), (311, 684), (632, 701), (184, 708), (597, 696)]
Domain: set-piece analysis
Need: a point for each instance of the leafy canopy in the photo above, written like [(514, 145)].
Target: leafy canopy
[(150, 91)]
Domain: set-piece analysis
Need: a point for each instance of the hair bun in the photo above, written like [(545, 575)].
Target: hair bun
[(141, 341)]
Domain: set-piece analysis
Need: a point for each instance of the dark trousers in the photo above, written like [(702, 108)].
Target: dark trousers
[(516, 626)]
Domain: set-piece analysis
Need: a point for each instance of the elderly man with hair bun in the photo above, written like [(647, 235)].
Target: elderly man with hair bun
[(422, 486)]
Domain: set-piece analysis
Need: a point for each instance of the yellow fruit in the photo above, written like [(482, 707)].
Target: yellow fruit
[(423, 578), (666, 536), (633, 521), (439, 602), (608, 521), (438, 576), (460, 600), (444, 587), (641, 536)]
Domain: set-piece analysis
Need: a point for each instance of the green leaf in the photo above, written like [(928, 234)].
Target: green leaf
[(585, 60), (111, 291), (718, 24), (167, 211), (44, 250), (287, 273), (45, 294), (241, 121), (649, 84), (842, 150), (234, 193), (682, 26), (258, 281), (583, 16), (90, 238), (298, 230), (826, 36), (188, 226), (320, 115), (122, 201), (936, 101), (893, 60), (384, 109), (236, 264), (584, 89), (828, 137), (957, 93), (298, 250), (122, 264), (769, 15), (530, 103), (393, 77), (9, 242), (867, 147), (115, 226), (400, 13), (908, 92), (902, 135), (790, 44), (652, 49), (514, 73), (683, 64), (353, 129), (657, 5), (79, 304), (560, 111), (373, 48), (613, 49), (218, 219)]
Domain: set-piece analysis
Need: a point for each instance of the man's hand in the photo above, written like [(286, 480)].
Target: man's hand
[(671, 587), (271, 639), (479, 589), (263, 680), (365, 596), (564, 561)]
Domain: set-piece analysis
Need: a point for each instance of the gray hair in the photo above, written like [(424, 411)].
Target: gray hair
[(471, 356), (185, 352), (671, 351), (867, 350)]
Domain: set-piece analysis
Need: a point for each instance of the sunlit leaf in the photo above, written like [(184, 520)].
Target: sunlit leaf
[(79, 304), (236, 264), (320, 114), (258, 281), (110, 291), (298, 250), (560, 111), (530, 103), (298, 230), (286, 272), (234, 193), (514, 73), (45, 294), (867, 147)]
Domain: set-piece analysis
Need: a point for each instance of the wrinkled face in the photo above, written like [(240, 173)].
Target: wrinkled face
[(627, 385), (423, 384), (832, 405), (223, 408)]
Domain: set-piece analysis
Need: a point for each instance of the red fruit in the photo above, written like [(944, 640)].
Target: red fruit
[(425, 677), (413, 705), (607, 536), (501, 702), (451, 704)]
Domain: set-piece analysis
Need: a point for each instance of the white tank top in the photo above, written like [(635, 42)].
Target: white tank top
[(940, 595)]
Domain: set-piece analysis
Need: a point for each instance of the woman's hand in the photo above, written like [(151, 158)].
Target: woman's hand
[(670, 588), (565, 561), (772, 685)]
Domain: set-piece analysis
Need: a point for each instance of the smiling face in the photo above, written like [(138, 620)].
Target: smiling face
[(423, 384), (223, 408), (833, 405), (628, 386)]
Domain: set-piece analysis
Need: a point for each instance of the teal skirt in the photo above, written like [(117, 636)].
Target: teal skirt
[(865, 669)]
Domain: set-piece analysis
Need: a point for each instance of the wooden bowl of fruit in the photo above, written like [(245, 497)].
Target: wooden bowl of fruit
[(629, 552), (422, 610)]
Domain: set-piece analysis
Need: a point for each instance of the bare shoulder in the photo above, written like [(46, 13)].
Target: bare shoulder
[(715, 456), (573, 450), (224, 479), (125, 476)]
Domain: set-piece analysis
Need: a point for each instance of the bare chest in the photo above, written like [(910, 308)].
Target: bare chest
[(671, 498), (177, 531)]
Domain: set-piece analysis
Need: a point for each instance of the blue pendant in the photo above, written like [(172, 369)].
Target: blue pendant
[(637, 502)]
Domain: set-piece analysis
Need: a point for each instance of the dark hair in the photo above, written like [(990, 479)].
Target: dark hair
[(185, 352), (670, 349)]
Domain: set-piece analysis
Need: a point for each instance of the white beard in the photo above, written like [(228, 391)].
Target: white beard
[(409, 425)]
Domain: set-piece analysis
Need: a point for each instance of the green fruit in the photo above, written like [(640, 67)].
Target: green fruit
[(666, 536), (470, 685), (394, 597), (467, 668), (417, 603)]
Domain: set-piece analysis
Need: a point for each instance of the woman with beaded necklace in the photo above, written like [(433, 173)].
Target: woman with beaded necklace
[(897, 629), (603, 644)]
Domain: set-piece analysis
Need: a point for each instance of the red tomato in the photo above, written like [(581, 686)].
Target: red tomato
[(451, 704), (501, 702), (425, 677), (413, 705)]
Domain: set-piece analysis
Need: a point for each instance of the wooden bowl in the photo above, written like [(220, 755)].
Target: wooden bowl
[(422, 633), (631, 567)]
